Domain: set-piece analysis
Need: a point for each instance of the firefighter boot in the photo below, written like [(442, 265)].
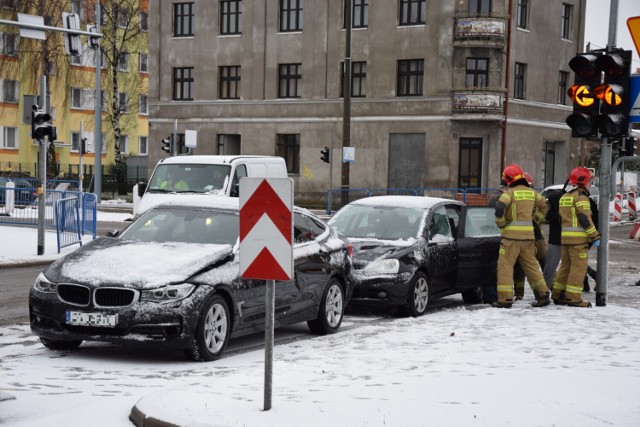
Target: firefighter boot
[(574, 299), (519, 290), (500, 304), (579, 304), (542, 299), (558, 296)]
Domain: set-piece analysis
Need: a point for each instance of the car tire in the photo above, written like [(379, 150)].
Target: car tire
[(472, 295), (331, 310), (212, 332), (418, 296), (60, 345)]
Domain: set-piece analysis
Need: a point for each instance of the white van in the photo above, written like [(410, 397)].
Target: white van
[(204, 175)]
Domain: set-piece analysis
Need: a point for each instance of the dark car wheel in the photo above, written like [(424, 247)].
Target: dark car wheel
[(472, 296), (331, 310), (418, 296), (212, 333), (60, 345)]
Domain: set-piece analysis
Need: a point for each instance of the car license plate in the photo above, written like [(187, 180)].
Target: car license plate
[(80, 318)]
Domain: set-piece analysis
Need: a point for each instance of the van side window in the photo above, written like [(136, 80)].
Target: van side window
[(241, 172)]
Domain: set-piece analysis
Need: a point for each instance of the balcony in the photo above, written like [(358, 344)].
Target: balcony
[(483, 31), (469, 102)]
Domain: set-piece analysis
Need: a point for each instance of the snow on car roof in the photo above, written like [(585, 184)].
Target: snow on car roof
[(213, 201), (402, 201)]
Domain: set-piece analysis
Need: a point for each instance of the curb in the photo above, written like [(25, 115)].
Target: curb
[(139, 419)]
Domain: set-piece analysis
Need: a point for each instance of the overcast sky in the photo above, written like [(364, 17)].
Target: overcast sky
[(597, 26)]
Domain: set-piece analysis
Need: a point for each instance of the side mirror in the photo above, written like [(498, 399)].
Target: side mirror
[(141, 188)]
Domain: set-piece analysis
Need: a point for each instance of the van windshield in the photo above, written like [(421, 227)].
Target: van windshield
[(189, 178)]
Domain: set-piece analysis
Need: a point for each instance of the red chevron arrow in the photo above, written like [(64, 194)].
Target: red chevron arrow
[(265, 201)]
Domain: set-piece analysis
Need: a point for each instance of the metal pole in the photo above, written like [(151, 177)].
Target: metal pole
[(80, 160), (42, 170), (329, 203), (174, 147), (613, 24), (268, 343), (97, 136), (346, 112), (603, 223)]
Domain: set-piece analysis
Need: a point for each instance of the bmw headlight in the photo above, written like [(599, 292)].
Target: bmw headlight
[(382, 266), (45, 286), (169, 293)]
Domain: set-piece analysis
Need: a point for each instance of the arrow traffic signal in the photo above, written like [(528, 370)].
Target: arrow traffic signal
[(614, 93), (324, 155), (583, 121), (167, 145), (41, 125)]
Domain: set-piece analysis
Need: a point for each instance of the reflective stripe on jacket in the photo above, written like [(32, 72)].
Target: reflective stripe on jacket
[(523, 206), (575, 231)]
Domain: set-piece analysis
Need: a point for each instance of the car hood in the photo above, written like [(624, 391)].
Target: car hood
[(136, 264), (372, 249)]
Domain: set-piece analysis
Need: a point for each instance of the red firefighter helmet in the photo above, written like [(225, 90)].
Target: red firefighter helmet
[(580, 177), (512, 173), (529, 178)]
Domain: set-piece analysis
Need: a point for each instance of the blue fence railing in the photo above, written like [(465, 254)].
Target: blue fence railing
[(68, 225), (336, 198)]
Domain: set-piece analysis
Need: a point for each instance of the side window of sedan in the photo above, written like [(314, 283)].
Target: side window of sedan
[(439, 225), (303, 230)]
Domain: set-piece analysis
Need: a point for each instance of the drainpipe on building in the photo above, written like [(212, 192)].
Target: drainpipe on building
[(503, 154)]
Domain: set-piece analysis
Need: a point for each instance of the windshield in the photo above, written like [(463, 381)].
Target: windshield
[(379, 222), (193, 178), (188, 225)]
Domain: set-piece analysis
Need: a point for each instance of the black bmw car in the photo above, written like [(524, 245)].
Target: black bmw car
[(408, 250), (171, 279)]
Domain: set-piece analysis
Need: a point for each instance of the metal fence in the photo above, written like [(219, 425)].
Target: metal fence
[(336, 198), (67, 220)]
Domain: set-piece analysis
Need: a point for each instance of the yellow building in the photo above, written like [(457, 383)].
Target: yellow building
[(71, 82)]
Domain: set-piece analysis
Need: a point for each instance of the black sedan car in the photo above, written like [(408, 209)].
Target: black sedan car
[(408, 250), (171, 279)]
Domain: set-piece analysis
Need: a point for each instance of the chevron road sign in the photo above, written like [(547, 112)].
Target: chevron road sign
[(266, 228)]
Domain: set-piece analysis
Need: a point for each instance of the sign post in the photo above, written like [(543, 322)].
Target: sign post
[(266, 251)]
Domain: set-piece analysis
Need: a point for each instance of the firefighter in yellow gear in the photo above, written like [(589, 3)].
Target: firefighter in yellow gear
[(541, 253), (577, 232), (516, 210)]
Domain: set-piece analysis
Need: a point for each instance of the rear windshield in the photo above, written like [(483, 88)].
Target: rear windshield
[(197, 178)]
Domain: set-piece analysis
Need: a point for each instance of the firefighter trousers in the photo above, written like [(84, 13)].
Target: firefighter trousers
[(524, 252), (570, 275), (518, 271)]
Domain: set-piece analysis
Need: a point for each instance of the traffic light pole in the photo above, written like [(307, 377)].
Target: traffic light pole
[(42, 171), (604, 185)]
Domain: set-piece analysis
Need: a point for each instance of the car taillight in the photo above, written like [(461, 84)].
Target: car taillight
[(349, 250)]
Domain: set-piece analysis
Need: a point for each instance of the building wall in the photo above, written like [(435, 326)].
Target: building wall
[(317, 115)]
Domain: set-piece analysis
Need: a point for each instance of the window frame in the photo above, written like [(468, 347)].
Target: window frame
[(143, 21), (13, 88), (566, 27), (183, 19), (143, 104), (358, 79), (124, 62), (476, 72), (289, 78), (291, 16), (563, 81), (480, 6), (143, 63), (410, 82), (288, 147), (142, 152), (522, 14), (359, 12), (230, 21), (406, 9), (183, 81), (467, 146), (519, 80), (228, 82), (4, 137)]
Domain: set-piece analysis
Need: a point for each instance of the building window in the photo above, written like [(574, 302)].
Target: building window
[(358, 80), (522, 18), (78, 7), (82, 99), (477, 72), (229, 82), (470, 171), (9, 136), (183, 84), (290, 76), (230, 12), (123, 102), (413, 12), (123, 62), (567, 13), (563, 78), (75, 142), (8, 44), (291, 15), (124, 144), (410, 77), (9, 91), (183, 19), (479, 7), (519, 83), (288, 147), (143, 145), (143, 105), (143, 64), (144, 21), (359, 13), (123, 16)]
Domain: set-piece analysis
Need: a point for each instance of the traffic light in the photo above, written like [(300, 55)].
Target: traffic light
[(72, 43), (614, 93), (41, 125), (584, 120), (629, 146), (93, 42), (324, 155), (167, 145)]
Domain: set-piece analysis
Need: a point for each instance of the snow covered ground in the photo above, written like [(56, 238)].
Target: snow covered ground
[(456, 366)]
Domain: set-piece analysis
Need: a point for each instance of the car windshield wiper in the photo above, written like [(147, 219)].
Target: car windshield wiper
[(160, 190)]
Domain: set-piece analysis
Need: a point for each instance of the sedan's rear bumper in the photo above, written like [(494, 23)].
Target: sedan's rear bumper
[(381, 291)]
